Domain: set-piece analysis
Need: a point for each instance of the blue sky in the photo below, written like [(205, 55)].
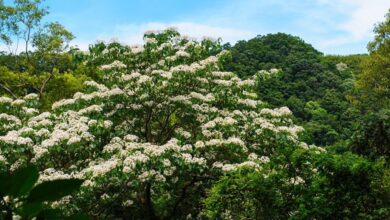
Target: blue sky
[(332, 26)]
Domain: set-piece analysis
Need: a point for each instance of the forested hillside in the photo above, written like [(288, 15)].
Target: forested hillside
[(317, 88), (177, 128)]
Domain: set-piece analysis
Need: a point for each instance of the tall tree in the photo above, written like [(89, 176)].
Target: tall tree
[(373, 135), (7, 23), (375, 79), (53, 38), (29, 16)]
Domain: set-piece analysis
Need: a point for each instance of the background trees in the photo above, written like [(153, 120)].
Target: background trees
[(270, 51), (51, 65), (374, 80), (306, 77), (7, 23), (372, 136), (20, 21), (344, 186)]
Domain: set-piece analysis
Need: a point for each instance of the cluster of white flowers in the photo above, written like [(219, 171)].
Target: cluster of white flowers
[(98, 169), (222, 75), (297, 180), (206, 98), (53, 174), (150, 40), (115, 64), (279, 112), (178, 54), (248, 102), (268, 73), (223, 82), (13, 138), (224, 121), (341, 66), (97, 86), (5, 100), (133, 75), (183, 133), (181, 53), (63, 102), (18, 102), (9, 121), (2, 159), (31, 96), (41, 120), (231, 167), (137, 49)]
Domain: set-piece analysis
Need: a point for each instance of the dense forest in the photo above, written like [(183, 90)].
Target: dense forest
[(176, 128)]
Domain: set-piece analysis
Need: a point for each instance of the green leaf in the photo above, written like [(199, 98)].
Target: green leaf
[(30, 210), (5, 183), (50, 214), (20, 182), (54, 190), (78, 216)]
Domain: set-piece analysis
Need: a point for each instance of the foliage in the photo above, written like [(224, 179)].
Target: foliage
[(53, 38), (7, 25), (47, 69), (28, 15), (304, 76), (375, 78), (333, 186), (270, 51), (23, 198), (46, 85), (373, 135)]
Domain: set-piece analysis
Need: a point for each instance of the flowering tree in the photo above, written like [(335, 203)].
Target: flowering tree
[(158, 131)]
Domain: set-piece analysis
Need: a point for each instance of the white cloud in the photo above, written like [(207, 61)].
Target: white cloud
[(360, 16), (364, 16)]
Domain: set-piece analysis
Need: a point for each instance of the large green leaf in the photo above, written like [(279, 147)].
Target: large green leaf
[(5, 183), (78, 216), (20, 182), (49, 214), (54, 190), (30, 210)]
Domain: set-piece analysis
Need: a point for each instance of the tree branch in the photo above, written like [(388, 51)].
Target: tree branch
[(8, 90), (41, 90)]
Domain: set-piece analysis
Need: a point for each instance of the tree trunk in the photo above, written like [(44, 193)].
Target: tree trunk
[(151, 215), (28, 40)]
